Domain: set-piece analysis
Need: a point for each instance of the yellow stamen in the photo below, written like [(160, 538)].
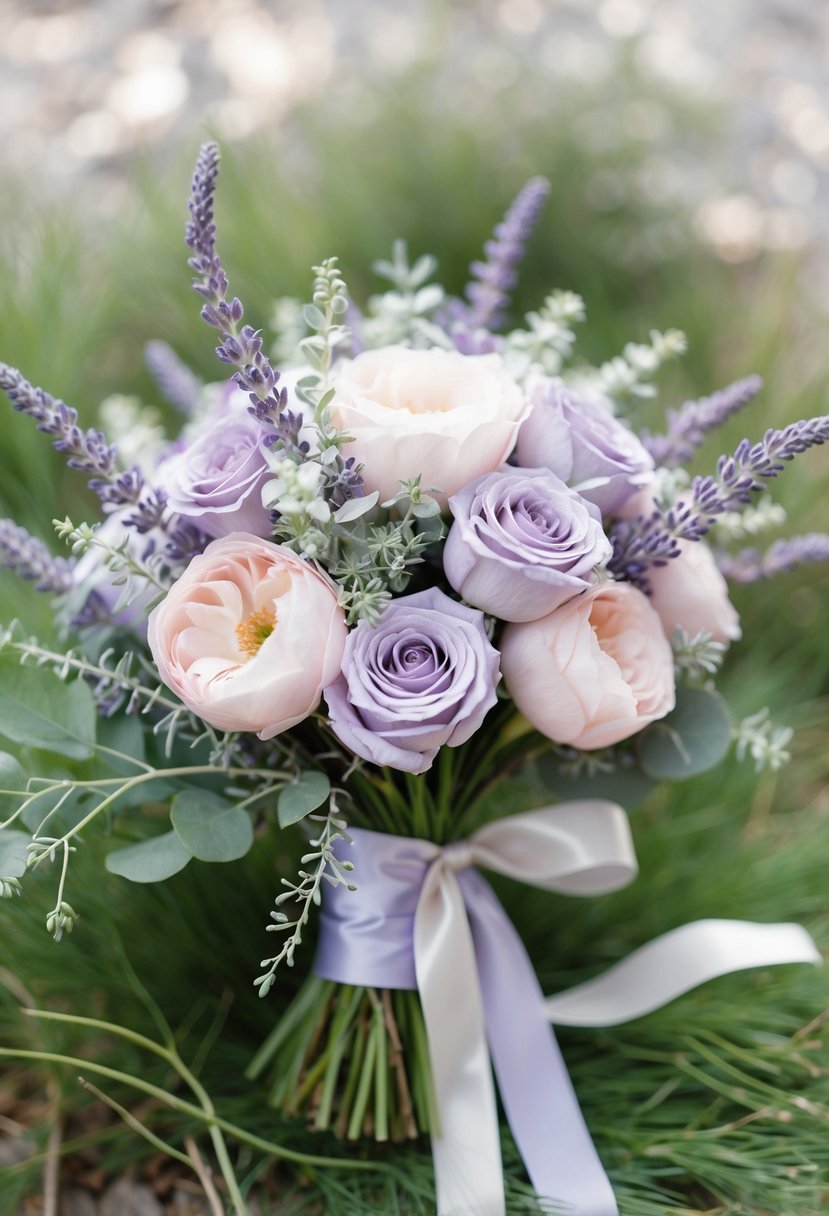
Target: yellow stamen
[(251, 633)]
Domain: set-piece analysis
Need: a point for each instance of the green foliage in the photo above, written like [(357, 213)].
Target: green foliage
[(152, 860), (693, 738), (310, 790), (210, 827), (39, 710), (13, 853)]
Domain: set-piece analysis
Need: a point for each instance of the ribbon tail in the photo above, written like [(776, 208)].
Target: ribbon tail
[(469, 1176), (536, 1091), (673, 964)]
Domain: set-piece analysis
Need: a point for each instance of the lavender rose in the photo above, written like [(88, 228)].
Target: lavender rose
[(522, 543), (217, 480), (424, 677), (578, 439)]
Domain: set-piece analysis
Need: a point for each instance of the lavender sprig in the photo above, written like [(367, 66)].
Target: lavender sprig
[(689, 425), (174, 378), (750, 565), (31, 559), (87, 450), (242, 348), (651, 540), (494, 278)]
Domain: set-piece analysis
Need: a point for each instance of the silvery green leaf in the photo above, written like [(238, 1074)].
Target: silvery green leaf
[(301, 797), (356, 507), (425, 266), (38, 710), (150, 861), (12, 777), (428, 298), (693, 738), (210, 827), (312, 317), (426, 509), (13, 853)]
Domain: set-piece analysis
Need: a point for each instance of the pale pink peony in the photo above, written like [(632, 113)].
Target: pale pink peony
[(691, 592), (447, 416), (595, 671), (249, 636)]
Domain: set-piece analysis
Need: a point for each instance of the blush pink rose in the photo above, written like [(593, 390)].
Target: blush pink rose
[(249, 636), (691, 592), (447, 416), (595, 671)]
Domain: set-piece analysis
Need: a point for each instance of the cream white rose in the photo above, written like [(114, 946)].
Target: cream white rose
[(249, 636), (447, 416), (595, 671)]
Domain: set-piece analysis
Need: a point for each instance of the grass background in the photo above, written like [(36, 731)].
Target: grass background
[(716, 1104)]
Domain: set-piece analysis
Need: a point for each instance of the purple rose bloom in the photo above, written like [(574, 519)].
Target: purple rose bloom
[(522, 543), (579, 440), (422, 678), (217, 480)]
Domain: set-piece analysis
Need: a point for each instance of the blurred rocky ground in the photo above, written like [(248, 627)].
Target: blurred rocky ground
[(85, 87)]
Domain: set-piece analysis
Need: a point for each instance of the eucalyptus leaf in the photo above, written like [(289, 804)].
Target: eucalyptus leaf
[(629, 787), (13, 853), (151, 860), (353, 508), (301, 797), (12, 777), (693, 738), (39, 710), (312, 317), (210, 827)]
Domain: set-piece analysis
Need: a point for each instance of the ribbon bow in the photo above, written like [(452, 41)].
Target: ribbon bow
[(424, 918)]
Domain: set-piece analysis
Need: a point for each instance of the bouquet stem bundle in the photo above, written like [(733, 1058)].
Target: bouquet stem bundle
[(353, 1061)]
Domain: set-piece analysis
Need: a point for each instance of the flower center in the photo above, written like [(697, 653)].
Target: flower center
[(258, 627)]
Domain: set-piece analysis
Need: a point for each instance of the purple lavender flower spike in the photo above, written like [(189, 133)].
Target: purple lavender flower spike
[(689, 425), (647, 540), (750, 565), (240, 348), (174, 378), (87, 450), (494, 278), (31, 559)]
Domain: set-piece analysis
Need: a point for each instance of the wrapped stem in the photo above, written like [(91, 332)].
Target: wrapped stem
[(353, 1061)]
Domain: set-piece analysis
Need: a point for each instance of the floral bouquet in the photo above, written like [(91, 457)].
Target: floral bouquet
[(426, 575)]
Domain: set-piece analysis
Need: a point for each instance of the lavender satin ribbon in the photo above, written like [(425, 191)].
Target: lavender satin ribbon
[(424, 918)]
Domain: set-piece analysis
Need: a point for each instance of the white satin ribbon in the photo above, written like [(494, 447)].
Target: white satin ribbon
[(463, 941)]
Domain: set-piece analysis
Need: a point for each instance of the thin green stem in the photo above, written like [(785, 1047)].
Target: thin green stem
[(188, 1108), (136, 1124)]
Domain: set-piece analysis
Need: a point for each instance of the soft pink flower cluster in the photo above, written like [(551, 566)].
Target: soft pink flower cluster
[(251, 635)]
